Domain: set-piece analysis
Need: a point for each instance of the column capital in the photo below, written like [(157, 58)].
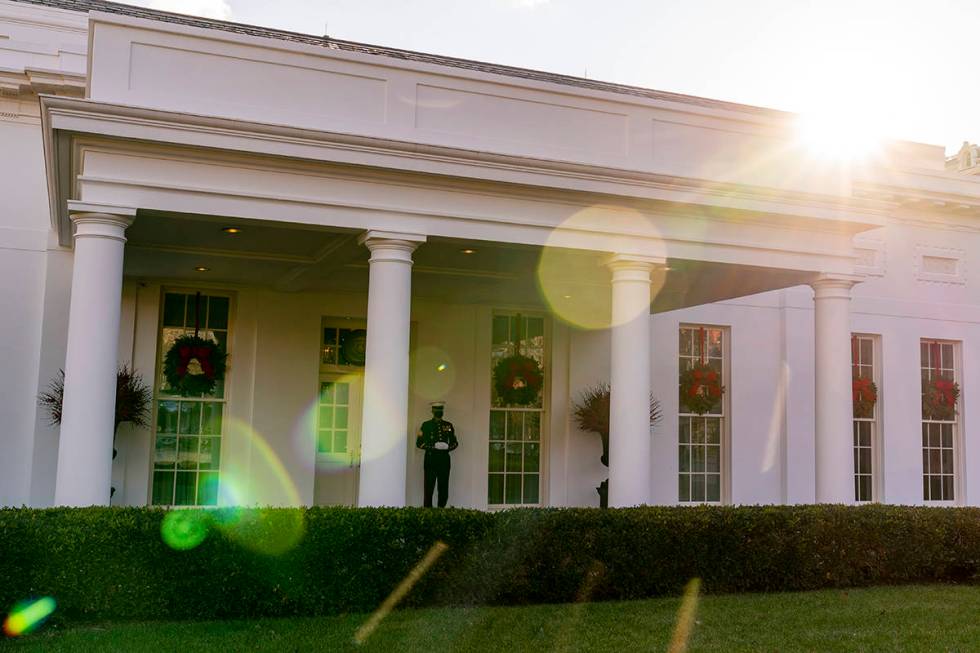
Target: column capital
[(834, 285), (100, 220), (391, 245), (632, 267)]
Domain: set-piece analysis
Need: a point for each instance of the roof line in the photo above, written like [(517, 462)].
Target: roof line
[(398, 53)]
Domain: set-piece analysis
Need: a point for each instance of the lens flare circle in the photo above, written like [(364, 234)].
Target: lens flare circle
[(183, 530), (433, 372), (28, 616), (575, 283)]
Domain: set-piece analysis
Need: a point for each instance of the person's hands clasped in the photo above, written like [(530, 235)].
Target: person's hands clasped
[(441, 446)]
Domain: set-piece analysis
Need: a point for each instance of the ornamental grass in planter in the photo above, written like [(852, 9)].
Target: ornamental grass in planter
[(591, 413)]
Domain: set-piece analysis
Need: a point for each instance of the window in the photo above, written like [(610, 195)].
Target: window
[(343, 347), (865, 422), (700, 437), (939, 431), (333, 417), (187, 451), (514, 469)]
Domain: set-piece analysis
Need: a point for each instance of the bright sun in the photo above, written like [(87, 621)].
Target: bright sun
[(832, 133)]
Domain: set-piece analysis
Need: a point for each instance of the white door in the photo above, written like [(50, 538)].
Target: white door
[(338, 440)]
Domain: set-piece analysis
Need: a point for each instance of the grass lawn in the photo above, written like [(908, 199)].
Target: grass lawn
[(918, 618)]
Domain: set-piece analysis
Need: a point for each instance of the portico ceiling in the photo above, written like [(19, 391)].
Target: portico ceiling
[(169, 247)]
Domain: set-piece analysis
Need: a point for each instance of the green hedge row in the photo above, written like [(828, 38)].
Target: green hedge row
[(109, 563)]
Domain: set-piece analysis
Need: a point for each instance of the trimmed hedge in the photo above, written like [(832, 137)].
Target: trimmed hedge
[(111, 563)]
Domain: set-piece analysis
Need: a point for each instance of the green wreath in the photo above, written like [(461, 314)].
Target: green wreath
[(939, 397), (701, 388), (518, 380), (194, 365)]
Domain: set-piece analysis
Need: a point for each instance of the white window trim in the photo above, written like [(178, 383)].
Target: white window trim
[(959, 467), (211, 290), (544, 435), (877, 440), (726, 422)]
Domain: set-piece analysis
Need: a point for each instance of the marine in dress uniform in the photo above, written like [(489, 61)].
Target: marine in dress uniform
[(437, 437)]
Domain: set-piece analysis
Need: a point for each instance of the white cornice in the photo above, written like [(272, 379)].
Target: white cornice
[(66, 118)]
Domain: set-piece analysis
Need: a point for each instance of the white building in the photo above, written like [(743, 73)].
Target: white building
[(432, 201)]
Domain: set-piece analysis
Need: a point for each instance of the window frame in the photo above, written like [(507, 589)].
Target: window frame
[(877, 439), (724, 483), (957, 425), (544, 422), (224, 400)]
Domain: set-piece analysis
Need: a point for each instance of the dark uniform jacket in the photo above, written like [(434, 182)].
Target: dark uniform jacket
[(436, 430)]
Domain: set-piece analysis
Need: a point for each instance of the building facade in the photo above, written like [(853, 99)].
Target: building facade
[(366, 230)]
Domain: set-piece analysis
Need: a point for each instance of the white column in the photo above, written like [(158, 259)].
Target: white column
[(629, 400), (384, 426), (834, 453), (88, 410)]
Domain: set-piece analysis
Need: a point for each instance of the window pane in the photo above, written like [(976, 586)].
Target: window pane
[(936, 487), (211, 414), (326, 416), (713, 432), (190, 417), (167, 417), (530, 488), (685, 429), (210, 454), (697, 487), (501, 333), (173, 309), (684, 344), (684, 487), (947, 461), (531, 457), (496, 457), (187, 449), (340, 417), (864, 460), (495, 488), (532, 426), (343, 394), (684, 458), (515, 430), (697, 430), (948, 488), (497, 422), (513, 453), (713, 460), (864, 488), (697, 459), (326, 393), (166, 452), (163, 488), (217, 312), (186, 489), (713, 488), (340, 442), (207, 489), (324, 441), (946, 431), (513, 486)]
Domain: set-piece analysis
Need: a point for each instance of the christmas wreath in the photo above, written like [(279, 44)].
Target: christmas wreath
[(518, 380), (701, 388), (939, 396), (864, 394), (193, 365)]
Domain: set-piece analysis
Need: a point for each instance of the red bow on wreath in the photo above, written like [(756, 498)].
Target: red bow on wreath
[(863, 389), (705, 382), (188, 354), (946, 390)]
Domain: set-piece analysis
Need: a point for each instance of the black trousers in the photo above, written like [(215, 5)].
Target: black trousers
[(436, 468)]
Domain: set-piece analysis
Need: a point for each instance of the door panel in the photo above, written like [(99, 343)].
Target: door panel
[(338, 439)]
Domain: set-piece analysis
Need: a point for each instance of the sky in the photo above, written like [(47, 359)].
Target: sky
[(902, 69)]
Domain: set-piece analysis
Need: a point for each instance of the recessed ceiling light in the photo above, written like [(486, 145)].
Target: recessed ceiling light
[(566, 296), (467, 251), (231, 230), (201, 268)]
